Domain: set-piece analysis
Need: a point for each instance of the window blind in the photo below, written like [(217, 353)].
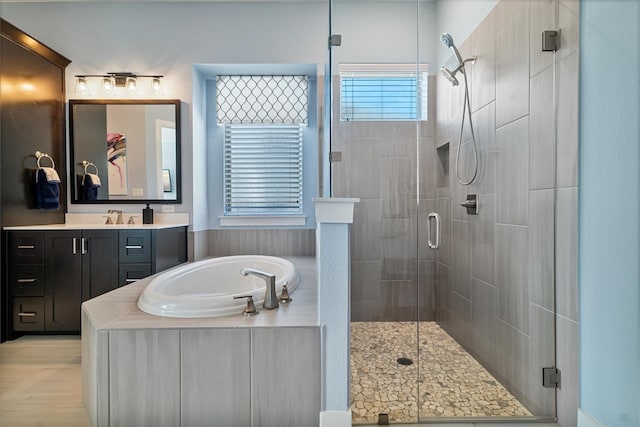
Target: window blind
[(380, 92), (262, 169)]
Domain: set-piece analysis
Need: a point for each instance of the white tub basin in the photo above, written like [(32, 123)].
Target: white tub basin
[(206, 288)]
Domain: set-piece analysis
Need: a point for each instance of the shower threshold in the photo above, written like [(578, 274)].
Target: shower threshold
[(448, 385)]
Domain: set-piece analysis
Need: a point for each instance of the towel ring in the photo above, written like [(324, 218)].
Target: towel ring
[(88, 164), (40, 155)]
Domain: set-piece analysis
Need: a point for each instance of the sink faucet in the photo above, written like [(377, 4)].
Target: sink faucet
[(270, 298), (119, 219)]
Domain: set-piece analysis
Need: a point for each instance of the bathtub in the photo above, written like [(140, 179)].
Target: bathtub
[(206, 288)]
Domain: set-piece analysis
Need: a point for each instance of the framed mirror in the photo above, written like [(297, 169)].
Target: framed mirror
[(124, 151)]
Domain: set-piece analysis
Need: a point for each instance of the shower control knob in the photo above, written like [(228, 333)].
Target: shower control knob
[(471, 204)]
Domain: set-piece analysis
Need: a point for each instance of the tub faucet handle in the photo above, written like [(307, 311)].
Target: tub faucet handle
[(284, 296), (250, 309)]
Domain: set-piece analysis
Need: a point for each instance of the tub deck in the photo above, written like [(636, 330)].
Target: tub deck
[(118, 310), (141, 369)]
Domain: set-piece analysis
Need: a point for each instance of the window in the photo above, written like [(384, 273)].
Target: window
[(383, 92), (262, 169), (264, 117)]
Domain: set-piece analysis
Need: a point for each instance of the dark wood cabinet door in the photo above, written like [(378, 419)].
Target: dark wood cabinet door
[(63, 281), (170, 248), (99, 250)]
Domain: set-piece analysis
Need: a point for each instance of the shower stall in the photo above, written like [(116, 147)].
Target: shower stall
[(456, 311)]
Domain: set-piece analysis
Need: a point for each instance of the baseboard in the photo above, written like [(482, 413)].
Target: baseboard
[(585, 420), (335, 419)]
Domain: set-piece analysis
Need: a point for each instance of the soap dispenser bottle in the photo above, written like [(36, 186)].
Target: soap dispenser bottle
[(147, 215)]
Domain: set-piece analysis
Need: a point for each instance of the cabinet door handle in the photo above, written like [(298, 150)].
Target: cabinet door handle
[(26, 247), (26, 280), (27, 314), (83, 246), (74, 246), (133, 247)]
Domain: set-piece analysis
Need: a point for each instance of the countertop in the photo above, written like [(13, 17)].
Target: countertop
[(96, 221), (95, 226), (118, 309)]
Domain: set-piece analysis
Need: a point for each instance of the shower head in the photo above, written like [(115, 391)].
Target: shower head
[(447, 41), (451, 76)]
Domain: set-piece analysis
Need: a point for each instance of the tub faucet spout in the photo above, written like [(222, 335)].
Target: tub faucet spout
[(270, 298)]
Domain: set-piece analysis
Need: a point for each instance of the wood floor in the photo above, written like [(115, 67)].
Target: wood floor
[(41, 382)]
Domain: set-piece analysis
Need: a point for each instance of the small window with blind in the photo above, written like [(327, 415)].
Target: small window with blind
[(263, 119), (383, 92)]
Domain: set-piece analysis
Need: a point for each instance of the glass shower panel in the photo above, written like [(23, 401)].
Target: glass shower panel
[(374, 134), (458, 327)]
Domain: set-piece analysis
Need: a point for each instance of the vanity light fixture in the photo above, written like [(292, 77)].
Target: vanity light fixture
[(109, 83)]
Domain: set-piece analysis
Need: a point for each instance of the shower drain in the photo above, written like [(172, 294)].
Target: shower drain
[(405, 361)]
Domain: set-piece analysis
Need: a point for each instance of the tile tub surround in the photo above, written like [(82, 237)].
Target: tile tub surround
[(120, 342), (447, 382)]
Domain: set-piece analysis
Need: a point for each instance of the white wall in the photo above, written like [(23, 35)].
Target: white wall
[(459, 18), (384, 31), (609, 214)]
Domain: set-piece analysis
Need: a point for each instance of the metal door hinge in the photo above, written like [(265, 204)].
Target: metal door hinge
[(335, 40), (550, 40), (551, 377), (335, 156)]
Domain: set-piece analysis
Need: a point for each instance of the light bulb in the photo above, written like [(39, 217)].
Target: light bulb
[(131, 85), (107, 85), (156, 87), (81, 86)]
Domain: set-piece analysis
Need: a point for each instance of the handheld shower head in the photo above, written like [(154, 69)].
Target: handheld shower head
[(447, 41), (451, 76)]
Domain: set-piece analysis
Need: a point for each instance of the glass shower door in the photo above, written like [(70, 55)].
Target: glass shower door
[(494, 270)]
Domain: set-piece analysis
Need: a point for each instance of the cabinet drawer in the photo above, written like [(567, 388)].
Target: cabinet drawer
[(134, 246), (26, 280), (28, 314), (129, 273), (26, 247)]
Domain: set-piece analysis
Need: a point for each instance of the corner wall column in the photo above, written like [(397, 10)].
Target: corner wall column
[(332, 253)]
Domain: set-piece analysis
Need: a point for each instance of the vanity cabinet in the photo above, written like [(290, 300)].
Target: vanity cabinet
[(51, 272)]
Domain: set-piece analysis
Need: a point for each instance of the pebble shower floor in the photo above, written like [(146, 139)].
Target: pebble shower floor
[(451, 382)]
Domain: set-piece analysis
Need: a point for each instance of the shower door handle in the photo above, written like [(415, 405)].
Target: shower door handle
[(430, 219)]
